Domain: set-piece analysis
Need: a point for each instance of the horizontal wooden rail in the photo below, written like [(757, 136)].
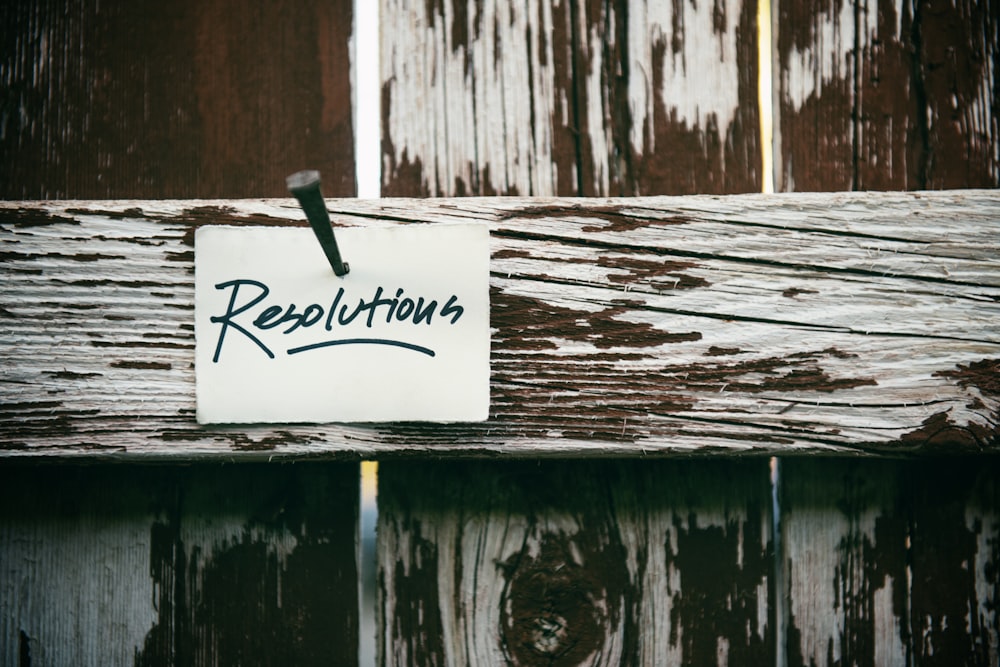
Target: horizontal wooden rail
[(804, 323)]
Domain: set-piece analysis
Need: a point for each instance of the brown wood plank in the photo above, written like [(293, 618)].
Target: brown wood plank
[(886, 96), (180, 99), (955, 555), (575, 562), (569, 98), (202, 565), (693, 116), (799, 323), (891, 562)]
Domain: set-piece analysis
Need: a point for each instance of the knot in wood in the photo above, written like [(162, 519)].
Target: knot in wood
[(550, 634), (555, 607)]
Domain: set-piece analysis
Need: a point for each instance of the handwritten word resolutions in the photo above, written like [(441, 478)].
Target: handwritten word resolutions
[(403, 337)]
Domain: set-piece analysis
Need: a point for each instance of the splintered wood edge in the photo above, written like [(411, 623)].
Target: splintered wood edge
[(804, 323)]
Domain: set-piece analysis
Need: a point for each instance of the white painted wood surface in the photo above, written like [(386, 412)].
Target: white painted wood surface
[(576, 563), (99, 621), (890, 562), (178, 565), (472, 101), (770, 324), (565, 97)]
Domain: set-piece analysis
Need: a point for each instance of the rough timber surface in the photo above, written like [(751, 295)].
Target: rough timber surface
[(891, 562), (159, 99), (890, 95), (576, 563), (569, 97), (850, 323), (178, 565)]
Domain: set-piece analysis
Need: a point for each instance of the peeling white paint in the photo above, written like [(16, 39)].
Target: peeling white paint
[(812, 598), (457, 107), (889, 648), (502, 108), (827, 59), (767, 284), (722, 652), (700, 80), (597, 107)]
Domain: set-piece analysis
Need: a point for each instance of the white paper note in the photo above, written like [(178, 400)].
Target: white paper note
[(403, 337)]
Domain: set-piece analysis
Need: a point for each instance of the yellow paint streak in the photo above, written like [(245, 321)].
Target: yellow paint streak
[(764, 98), (369, 482)]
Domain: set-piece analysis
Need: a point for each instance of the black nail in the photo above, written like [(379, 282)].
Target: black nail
[(305, 186)]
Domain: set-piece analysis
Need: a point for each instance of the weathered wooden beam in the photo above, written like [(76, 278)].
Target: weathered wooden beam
[(848, 323), (178, 565)]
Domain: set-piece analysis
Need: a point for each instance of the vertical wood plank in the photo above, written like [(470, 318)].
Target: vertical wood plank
[(575, 562), (693, 113), (477, 98), (571, 97), (200, 565), (886, 95), (957, 47), (955, 555), (181, 99), (890, 562), (843, 538)]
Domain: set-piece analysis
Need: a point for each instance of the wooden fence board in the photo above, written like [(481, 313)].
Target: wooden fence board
[(565, 563), (126, 99), (890, 562), (800, 323), (886, 96), (569, 98), (202, 565), (955, 547), (843, 541)]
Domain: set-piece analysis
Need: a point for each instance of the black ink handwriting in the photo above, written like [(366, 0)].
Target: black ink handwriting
[(398, 309)]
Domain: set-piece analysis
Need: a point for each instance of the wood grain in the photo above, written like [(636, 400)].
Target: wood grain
[(181, 99), (790, 324), (569, 98), (887, 95), (891, 563), (201, 565), (570, 562)]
